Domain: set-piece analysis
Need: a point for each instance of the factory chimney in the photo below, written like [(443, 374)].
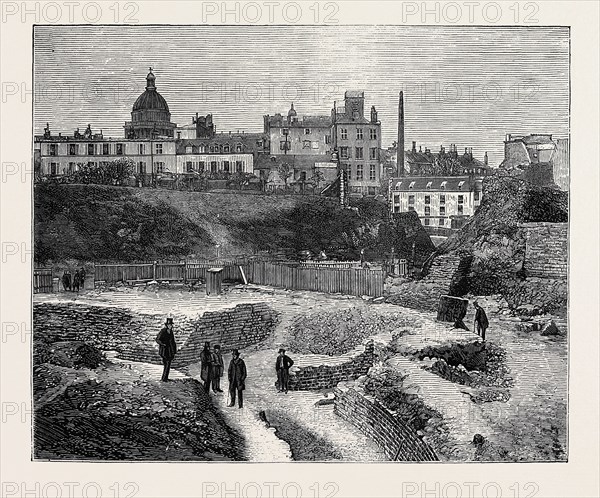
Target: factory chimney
[(400, 147)]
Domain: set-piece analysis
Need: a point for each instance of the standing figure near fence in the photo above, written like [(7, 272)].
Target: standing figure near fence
[(217, 368), (282, 367), (206, 371), (66, 280), (82, 278), (167, 347), (481, 321), (76, 281), (237, 378)]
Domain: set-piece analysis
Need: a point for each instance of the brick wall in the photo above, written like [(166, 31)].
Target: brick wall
[(546, 249), (379, 424), (424, 294), (132, 334), (329, 372)]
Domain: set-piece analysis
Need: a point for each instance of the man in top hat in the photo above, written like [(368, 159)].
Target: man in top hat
[(237, 378), (480, 323), (167, 347), (282, 367)]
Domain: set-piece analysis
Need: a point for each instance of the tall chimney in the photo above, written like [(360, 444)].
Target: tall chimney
[(400, 160), (485, 159)]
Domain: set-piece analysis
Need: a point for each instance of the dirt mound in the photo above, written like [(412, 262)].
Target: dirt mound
[(110, 413)]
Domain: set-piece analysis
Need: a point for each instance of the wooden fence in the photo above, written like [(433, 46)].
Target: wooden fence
[(173, 271), (42, 280), (351, 281), (330, 264)]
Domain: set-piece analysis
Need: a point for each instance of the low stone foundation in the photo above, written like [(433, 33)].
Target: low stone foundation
[(132, 334), (316, 372), (399, 441)]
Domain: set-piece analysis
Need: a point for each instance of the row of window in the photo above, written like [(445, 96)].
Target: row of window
[(359, 134), (104, 149), (360, 172), (213, 148), (442, 199), (343, 133), (306, 144), (442, 210), (345, 153), (443, 184), (191, 166)]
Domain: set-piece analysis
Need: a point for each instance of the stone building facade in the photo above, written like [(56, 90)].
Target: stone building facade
[(439, 201), (358, 142)]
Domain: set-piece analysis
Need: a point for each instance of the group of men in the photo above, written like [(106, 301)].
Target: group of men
[(213, 366), (73, 282)]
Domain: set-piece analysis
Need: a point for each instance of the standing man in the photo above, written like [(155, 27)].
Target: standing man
[(206, 372), (218, 368), (481, 322), (76, 281), (82, 278), (167, 347), (282, 367), (237, 378), (66, 280)]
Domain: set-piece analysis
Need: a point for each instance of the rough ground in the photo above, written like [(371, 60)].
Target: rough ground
[(530, 426)]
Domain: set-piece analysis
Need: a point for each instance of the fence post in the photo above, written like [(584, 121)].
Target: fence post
[(154, 270), (185, 271)]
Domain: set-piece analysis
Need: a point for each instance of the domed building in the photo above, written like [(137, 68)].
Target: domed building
[(150, 116)]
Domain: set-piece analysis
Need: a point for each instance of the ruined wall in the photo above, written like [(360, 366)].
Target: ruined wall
[(546, 249), (424, 294), (545, 288), (378, 423), (132, 334), (328, 372)]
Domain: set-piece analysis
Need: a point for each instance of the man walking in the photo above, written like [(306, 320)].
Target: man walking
[(237, 378), (206, 372), (218, 368), (282, 367), (481, 322), (167, 347)]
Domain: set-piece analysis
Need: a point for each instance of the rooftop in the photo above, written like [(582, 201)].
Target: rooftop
[(433, 183)]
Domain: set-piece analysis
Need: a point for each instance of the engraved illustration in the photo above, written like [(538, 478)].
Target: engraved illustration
[(300, 243)]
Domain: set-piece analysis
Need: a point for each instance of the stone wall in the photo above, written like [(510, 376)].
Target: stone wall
[(132, 334), (316, 372), (536, 295), (399, 441), (546, 249), (424, 294)]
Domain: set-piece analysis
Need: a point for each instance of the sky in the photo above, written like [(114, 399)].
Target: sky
[(468, 86)]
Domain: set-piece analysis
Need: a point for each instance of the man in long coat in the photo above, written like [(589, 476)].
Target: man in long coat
[(167, 347), (217, 368), (206, 372), (481, 321), (282, 367), (237, 378)]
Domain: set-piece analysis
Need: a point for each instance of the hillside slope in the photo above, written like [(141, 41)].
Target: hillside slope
[(108, 224)]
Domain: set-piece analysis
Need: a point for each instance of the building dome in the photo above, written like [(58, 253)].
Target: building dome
[(150, 99), (150, 116), (292, 111)]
